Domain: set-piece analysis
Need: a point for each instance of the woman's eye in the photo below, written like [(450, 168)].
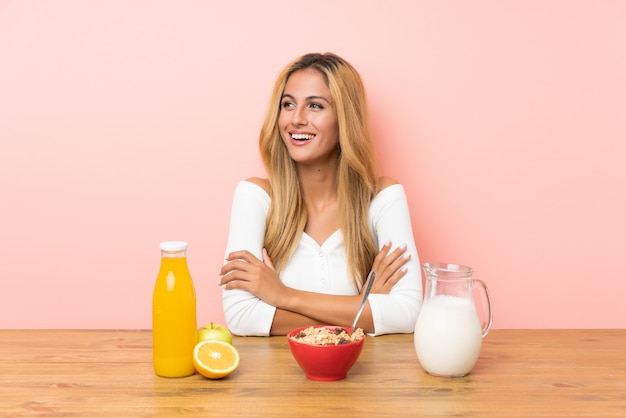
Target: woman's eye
[(286, 105), (316, 106)]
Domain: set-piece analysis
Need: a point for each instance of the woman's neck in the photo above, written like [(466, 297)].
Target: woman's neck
[(319, 191), (319, 185)]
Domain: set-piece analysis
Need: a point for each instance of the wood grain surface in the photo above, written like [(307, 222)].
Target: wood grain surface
[(108, 373)]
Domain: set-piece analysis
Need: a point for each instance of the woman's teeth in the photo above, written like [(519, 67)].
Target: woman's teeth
[(302, 137)]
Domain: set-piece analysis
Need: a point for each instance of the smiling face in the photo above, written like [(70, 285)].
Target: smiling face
[(308, 120)]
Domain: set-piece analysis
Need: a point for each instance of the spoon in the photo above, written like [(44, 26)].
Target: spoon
[(368, 286)]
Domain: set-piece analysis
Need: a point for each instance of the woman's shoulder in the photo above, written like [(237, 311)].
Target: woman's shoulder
[(388, 188), (262, 183), (384, 181), (390, 194)]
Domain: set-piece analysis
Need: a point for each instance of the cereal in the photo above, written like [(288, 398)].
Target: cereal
[(327, 336)]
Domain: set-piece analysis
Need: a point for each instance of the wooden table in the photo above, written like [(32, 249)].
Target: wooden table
[(520, 373)]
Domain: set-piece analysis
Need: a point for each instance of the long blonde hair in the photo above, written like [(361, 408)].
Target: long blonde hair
[(356, 180)]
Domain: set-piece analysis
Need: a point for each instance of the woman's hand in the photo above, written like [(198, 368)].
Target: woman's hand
[(389, 267), (244, 271)]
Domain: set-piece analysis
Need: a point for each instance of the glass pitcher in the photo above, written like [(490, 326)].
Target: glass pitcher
[(448, 333)]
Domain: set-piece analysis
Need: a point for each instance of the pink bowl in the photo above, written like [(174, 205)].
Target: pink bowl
[(325, 362)]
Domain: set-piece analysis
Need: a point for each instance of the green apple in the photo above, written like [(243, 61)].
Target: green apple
[(215, 332)]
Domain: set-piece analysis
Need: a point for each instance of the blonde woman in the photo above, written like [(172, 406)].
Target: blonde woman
[(302, 242)]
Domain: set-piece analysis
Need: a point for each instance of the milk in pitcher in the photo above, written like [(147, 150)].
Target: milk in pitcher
[(448, 335)]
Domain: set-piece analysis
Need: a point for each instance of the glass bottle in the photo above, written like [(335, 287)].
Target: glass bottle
[(174, 327)]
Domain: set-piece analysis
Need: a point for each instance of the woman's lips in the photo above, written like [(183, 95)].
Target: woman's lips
[(301, 139)]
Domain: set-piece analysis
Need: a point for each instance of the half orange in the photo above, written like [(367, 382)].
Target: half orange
[(215, 359)]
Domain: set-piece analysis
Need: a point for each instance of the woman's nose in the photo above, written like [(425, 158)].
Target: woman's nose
[(299, 116)]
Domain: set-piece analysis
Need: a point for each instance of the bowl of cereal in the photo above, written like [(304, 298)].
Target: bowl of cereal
[(325, 352)]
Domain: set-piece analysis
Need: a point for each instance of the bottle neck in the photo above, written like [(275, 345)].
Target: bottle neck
[(173, 254)]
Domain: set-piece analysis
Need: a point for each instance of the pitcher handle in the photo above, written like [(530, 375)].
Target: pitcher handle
[(485, 296)]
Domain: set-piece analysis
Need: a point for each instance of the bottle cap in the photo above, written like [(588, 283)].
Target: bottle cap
[(173, 246)]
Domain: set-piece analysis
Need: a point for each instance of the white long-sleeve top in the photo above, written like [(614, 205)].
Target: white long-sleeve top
[(323, 268)]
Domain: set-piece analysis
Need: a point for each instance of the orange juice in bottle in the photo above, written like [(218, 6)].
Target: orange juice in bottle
[(174, 327)]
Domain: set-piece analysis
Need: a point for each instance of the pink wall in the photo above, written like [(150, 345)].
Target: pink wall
[(123, 124)]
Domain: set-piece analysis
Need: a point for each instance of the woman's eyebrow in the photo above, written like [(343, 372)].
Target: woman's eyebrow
[(289, 96)]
